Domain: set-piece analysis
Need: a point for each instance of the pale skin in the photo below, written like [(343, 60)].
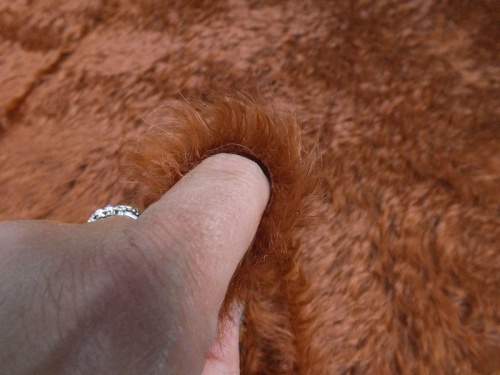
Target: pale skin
[(123, 296)]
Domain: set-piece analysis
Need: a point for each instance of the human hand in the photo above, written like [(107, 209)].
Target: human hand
[(120, 296)]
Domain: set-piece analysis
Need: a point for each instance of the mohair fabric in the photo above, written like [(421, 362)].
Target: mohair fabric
[(390, 114)]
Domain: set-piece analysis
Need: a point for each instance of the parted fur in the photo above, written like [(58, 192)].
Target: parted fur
[(182, 134)]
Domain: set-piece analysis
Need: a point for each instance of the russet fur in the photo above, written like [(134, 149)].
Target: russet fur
[(377, 123)]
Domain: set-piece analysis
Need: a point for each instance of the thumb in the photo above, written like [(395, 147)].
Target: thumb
[(207, 221)]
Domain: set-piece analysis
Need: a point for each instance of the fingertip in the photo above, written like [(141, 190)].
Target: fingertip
[(243, 169)]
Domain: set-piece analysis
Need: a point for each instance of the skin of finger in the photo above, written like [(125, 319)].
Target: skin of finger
[(49, 283), (207, 221), (70, 304), (66, 307)]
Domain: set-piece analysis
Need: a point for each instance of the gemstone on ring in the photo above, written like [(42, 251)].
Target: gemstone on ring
[(120, 210)]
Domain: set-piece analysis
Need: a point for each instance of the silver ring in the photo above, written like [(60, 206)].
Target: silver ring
[(107, 211)]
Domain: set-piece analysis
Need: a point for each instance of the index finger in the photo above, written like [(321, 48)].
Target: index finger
[(196, 234), (208, 220)]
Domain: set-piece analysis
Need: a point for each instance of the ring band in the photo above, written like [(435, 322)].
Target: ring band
[(107, 211)]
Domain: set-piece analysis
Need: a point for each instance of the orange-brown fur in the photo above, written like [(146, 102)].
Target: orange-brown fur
[(400, 272), (182, 134)]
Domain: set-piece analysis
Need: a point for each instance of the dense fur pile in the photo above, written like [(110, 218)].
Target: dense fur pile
[(181, 136), (401, 271)]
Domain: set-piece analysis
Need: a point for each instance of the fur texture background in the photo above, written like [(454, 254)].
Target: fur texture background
[(400, 98)]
